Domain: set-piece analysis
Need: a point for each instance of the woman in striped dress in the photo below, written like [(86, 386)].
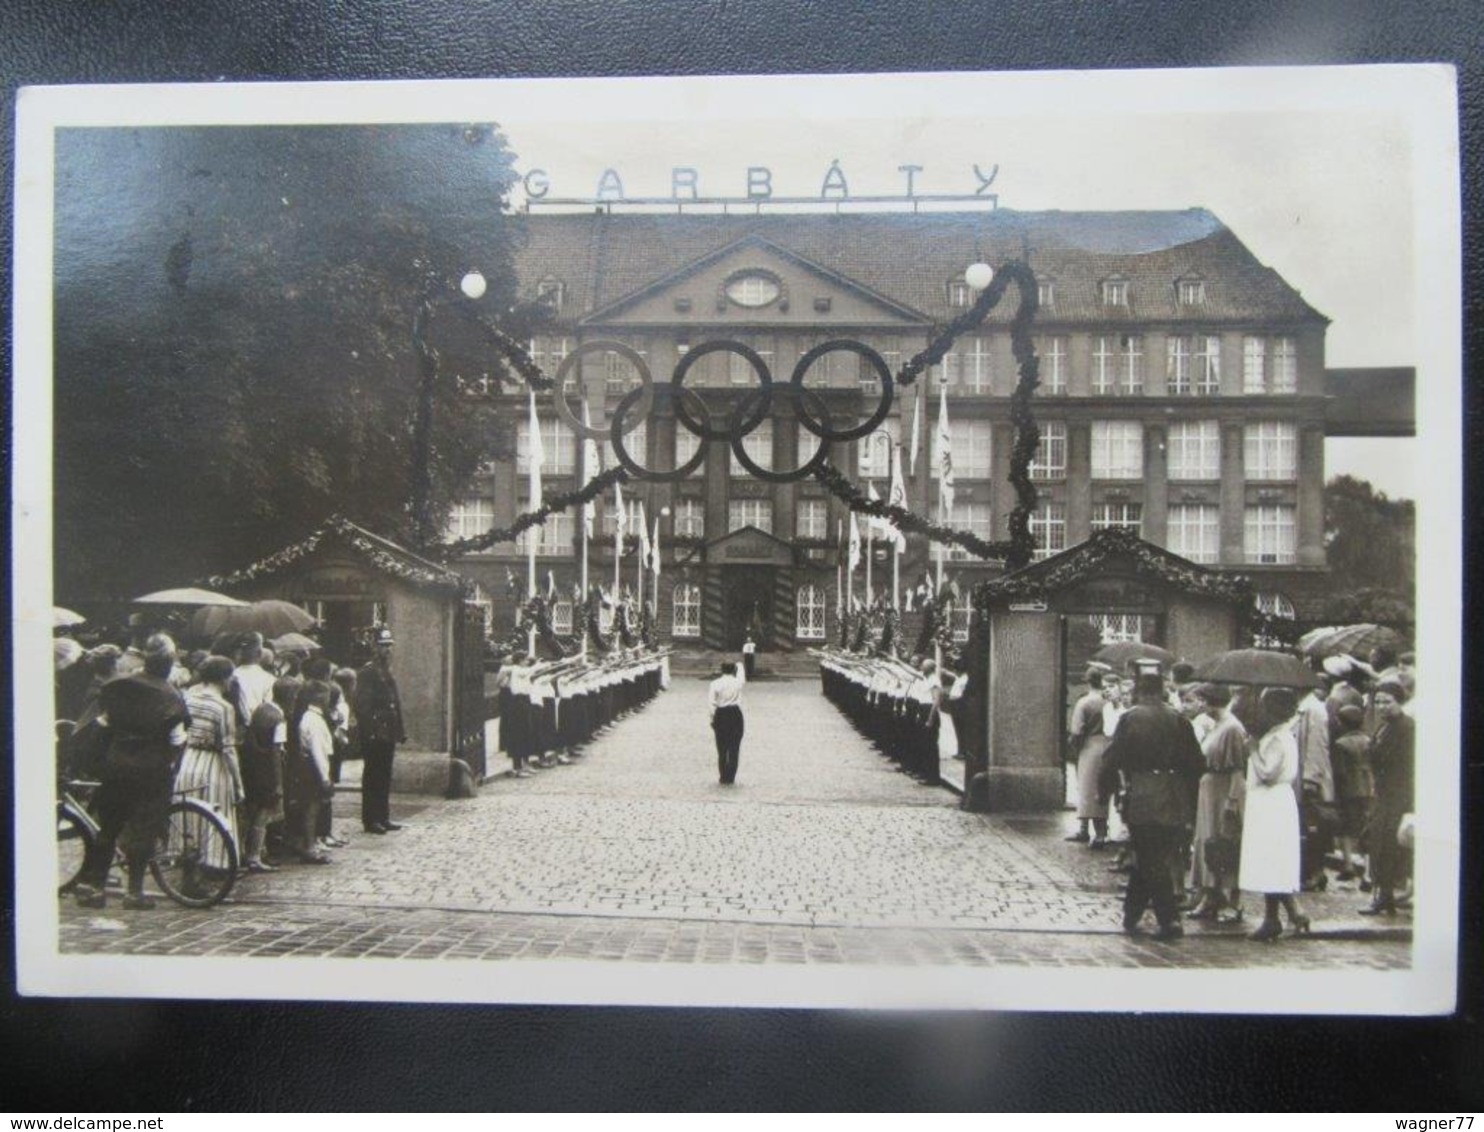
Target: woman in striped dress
[(209, 768)]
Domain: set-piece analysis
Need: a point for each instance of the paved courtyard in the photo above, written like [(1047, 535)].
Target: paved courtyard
[(821, 853)]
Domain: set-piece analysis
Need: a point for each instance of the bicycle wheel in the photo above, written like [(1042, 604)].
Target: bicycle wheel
[(195, 862), (74, 839)]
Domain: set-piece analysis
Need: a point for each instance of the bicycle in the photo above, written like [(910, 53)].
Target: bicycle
[(194, 861)]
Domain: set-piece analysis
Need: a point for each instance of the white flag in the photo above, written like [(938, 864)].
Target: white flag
[(535, 454), (620, 519), (945, 457), (654, 548), (590, 462), (896, 496), (855, 543), (916, 428), (643, 535)]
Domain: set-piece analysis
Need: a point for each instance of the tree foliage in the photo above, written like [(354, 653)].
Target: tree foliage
[(1370, 546), (233, 336)]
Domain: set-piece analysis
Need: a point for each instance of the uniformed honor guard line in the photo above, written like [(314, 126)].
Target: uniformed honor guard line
[(890, 703), (549, 712)]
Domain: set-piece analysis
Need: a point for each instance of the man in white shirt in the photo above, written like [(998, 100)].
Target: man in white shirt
[(726, 720), (252, 684), (749, 656)]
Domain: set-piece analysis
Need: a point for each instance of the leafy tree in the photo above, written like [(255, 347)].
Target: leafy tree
[(234, 356), (1370, 546)]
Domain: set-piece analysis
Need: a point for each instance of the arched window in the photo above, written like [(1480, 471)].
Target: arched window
[(686, 599), (809, 604), (561, 617), (1276, 605), (482, 599)]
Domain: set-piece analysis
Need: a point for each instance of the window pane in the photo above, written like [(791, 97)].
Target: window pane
[(1195, 450), (809, 606), (1270, 535), (1053, 354), (471, 517), (686, 610), (1194, 532), (1117, 450), (971, 517), (873, 452), (686, 443), (970, 449), (1049, 529), (758, 444), (750, 512), (1129, 516), (1285, 366), (811, 518), (1051, 454), (1270, 451), (1254, 364)]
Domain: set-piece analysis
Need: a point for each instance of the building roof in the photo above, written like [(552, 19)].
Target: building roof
[(602, 258), (382, 554), (1092, 559)]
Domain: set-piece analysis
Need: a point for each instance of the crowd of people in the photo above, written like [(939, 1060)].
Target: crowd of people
[(1272, 791), (907, 708), (550, 711), (258, 736)]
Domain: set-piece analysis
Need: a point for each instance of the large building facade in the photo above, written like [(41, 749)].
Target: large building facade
[(1183, 394)]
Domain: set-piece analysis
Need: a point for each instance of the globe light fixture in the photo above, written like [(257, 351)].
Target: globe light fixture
[(979, 276), (473, 285)]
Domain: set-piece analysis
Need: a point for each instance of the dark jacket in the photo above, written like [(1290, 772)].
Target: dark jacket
[(1393, 765), (378, 706), (1156, 755), (147, 718)]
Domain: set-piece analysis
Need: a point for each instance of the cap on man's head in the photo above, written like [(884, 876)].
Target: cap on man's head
[(384, 637)]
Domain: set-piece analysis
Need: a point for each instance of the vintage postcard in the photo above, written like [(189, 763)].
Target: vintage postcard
[(972, 541)]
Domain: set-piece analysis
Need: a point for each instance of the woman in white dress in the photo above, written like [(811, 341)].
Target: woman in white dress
[(1269, 861), (209, 770)]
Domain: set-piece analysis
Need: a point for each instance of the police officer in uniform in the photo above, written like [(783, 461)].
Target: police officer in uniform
[(379, 710)]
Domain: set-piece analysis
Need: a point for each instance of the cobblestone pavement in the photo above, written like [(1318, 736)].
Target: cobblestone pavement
[(821, 852)]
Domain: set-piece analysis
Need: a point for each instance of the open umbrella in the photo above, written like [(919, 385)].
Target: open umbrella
[(272, 618), (1120, 654), (1309, 642), (65, 618), (1264, 668), (1358, 641), (187, 595), (295, 642)]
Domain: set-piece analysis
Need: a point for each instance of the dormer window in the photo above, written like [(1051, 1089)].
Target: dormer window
[(551, 292), (753, 289), (1046, 294), (959, 293), (1115, 292), (1191, 292)]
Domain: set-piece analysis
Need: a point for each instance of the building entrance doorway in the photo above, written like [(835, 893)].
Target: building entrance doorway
[(747, 595)]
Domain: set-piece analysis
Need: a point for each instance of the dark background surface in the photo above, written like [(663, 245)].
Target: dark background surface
[(75, 1056)]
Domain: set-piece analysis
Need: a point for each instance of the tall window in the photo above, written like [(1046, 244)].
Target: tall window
[(1194, 531), (976, 366), (890, 350), (812, 519), (1104, 365), (1194, 365), (1128, 516), (619, 374), (1270, 535), (970, 446), (1114, 627), (1131, 364), (838, 367), (1051, 454), (1191, 292), (553, 537), (1254, 364), (557, 441), (635, 443), (1046, 294), (1117, 450), (1049, 529), (479, 597), (1115, 292), (758, 444), (1270, 451), (739, 372), (686, 610), (686, 443), (470, 517), (971, 517), (1275, 605), (1195, 450), (873, 452), (1285, 366), (959, 293), (809, 605), (807, 444), (949, 371), (1053, 354), (548, 353), (561, 617), (690, 518), (750, 513), (961, 616)]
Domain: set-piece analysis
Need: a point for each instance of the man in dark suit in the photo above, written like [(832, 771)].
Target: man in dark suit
[(379, 713), (1156, 759)]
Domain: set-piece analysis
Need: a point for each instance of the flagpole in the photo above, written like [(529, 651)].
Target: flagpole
[(870, 554), (655, 581), (639, 570), (536, 457)]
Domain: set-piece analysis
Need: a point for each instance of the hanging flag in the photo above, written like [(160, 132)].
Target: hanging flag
[(896, 496), (654, 549), (855, 544), (643, 535), (945, 457), (551, 590), (590, 462), (536, 454), (620, 519), (916, 429)]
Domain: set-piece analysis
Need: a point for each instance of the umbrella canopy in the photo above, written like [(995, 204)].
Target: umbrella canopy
[(295, 642), (187, 595), (272, 618), (65, 652), (1264, 668), (1357, 641), (1120, 654), (65, 618), (1310, 640)]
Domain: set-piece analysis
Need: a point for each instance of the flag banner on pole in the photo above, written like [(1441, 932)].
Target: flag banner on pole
[(945, 457), (855, 544), (536, 454), (643, 524), (896, 496), (916, 429), (654, 549), (590, 461), (551, 590), (620, 518)]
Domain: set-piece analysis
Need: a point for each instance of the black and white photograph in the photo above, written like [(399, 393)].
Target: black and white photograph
[(959, 541)]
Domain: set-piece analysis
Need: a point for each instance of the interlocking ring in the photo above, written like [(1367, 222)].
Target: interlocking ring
[(559, 382), (615, 437), (883, 377), (821, 452), (759, 367)]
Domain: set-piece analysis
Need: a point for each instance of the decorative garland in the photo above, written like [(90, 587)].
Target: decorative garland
[(528, 519), (593, 622), (891, 625), (383, 559)]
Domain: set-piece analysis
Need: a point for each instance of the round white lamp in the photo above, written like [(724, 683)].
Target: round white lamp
[(473, 285), (979, 276)]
